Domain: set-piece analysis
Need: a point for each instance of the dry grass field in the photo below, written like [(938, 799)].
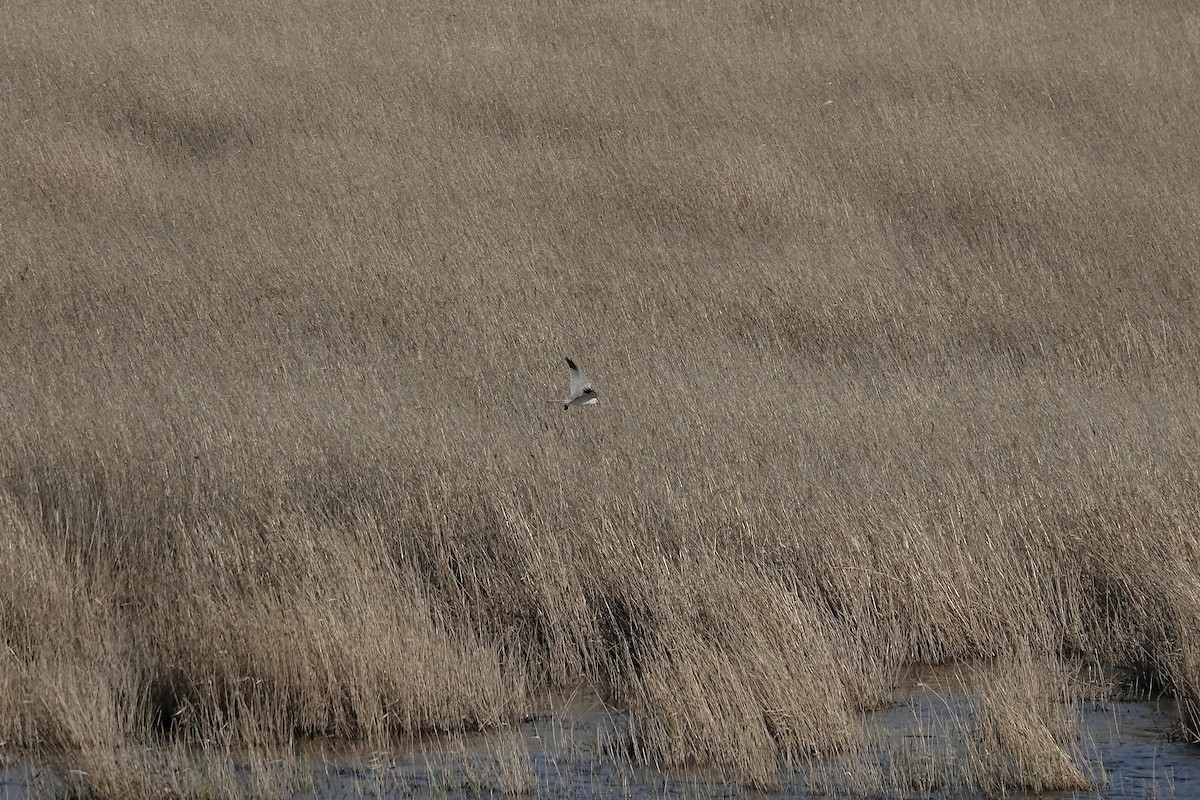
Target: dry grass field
[(892, 312)]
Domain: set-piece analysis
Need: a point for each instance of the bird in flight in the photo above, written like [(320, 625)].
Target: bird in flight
[(581, 392)]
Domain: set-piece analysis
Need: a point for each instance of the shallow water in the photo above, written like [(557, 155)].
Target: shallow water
[(1127, 749), (574, 749), (1133, 744)]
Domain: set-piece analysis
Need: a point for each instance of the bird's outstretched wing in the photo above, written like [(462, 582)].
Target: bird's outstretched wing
[(579, 381)]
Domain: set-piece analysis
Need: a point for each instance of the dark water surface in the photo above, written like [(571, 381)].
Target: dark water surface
[(575, 749), (1128, 750)]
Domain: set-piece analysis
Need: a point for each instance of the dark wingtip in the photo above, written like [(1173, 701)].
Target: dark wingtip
[(571, 364)]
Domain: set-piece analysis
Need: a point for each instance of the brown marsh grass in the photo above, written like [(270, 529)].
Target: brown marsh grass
[(893, 314)]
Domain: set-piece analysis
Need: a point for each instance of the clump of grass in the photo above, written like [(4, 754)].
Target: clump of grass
[(1027, 732), (511, 769), (752, 703)]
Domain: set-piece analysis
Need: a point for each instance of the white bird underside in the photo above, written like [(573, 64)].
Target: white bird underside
[(581, 392)]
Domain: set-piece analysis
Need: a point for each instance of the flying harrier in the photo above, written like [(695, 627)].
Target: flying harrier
[(582, 393)]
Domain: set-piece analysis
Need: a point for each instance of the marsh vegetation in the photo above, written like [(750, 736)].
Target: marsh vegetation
[(894, 312)]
